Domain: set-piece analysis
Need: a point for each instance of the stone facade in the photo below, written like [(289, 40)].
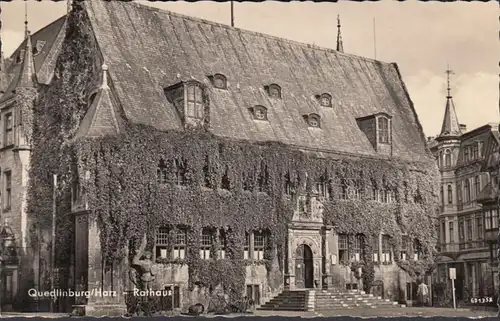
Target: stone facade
[(467, 215)]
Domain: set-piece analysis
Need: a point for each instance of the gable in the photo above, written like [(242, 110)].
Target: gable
[(152, 48)]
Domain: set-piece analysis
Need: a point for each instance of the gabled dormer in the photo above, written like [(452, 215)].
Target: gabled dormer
[(189, 99), (378, 130)]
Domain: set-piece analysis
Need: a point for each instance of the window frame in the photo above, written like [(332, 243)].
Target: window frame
[(274, 91), (7, 175), (447, 158), (197, 101), (327, 97), (383, 130), (386, 250), (260, 110), (207, 242), (259, 244), (314, 118), (8, 129), (219, 77)]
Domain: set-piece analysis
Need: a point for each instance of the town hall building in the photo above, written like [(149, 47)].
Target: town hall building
[(213, 158)]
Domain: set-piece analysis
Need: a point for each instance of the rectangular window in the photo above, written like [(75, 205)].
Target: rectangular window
[(206, 243), (195, 107), (487, 220), (259, 244), (417, 250), (162, 243), (179, 175), (179, 248), (8, 132), (343, 248), (376, 247), (221, 253), (469, 229), (404, 247), (443, 236), (383, 130), (461, 230), (494, 219), (162, 172), (246, 247), (357, 247), (475, 151), (451, 231), (8, 190), (466, 154), (386, 249), (479, 225), (322, 189)]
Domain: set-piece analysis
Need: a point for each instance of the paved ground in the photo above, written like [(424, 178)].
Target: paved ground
[(393, 312)]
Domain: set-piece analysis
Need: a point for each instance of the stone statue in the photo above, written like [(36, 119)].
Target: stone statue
[(317, 208), (143, 265)]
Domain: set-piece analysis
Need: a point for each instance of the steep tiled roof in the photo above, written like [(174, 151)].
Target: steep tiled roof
[(148, 49), (48, 42)]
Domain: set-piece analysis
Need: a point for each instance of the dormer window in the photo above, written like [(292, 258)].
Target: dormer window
[(383, 130), (274, 91), (219, 81), (325, 100), (260, 112), (313, 120), (194, 105)]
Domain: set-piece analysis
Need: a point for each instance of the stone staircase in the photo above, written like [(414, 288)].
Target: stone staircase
[(326, 300)]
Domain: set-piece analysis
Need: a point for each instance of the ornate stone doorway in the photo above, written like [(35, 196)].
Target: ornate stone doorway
[(304, 267)]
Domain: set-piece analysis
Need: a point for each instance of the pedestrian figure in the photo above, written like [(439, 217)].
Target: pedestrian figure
[(423, 293)]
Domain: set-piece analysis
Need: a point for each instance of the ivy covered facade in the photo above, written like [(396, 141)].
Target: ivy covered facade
[(241, 184)]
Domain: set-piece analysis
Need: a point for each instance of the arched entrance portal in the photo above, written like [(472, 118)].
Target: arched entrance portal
[(304, 267)]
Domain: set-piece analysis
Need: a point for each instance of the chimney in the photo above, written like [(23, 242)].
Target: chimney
[(463, 128)]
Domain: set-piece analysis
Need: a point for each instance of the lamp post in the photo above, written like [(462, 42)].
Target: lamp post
[(7, 253)]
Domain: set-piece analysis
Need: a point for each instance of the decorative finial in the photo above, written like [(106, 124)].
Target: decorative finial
[(232, 14), (26, 32), (340, 46), (104, 77), (448, 73), (68, 6)]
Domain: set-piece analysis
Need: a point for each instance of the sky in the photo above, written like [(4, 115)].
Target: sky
[(423, 38)]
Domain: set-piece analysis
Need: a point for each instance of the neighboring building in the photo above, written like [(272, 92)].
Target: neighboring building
[(30, 68), (245, 160), (466, 222)]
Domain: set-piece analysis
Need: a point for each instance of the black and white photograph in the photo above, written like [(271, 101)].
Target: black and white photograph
[(286, 159)]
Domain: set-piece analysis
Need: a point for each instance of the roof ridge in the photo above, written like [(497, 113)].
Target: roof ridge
[(264, 35)]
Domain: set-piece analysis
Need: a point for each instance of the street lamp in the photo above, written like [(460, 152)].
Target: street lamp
[(7, 252)]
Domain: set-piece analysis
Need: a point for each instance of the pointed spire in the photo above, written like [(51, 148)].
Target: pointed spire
[(451, 126), (104, 77), (340, 46), (27, 76), (26, 19)]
